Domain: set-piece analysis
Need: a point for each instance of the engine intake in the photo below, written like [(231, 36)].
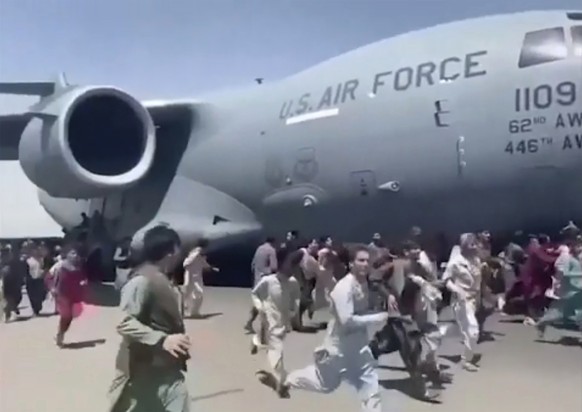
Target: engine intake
[(86, 142)]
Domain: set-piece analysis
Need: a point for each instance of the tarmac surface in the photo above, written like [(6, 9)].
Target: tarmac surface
[(518, 373)]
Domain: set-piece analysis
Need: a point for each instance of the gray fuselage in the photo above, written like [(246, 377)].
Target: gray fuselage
[(439, 128)]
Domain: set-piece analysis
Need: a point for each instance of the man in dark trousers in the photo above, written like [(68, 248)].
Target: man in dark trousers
[(14, 272), (152, 356), (410, 329)]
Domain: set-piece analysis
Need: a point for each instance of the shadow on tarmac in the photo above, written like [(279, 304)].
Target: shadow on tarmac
[(84, 344)]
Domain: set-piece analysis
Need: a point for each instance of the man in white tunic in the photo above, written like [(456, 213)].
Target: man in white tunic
[(345, 353), (325, 280), (265, 260), (276, 297), (264, 263), (463, 278), (194, 265), (34, 280)]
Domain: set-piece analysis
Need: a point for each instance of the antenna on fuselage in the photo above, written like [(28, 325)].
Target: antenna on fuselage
[(259, 80)]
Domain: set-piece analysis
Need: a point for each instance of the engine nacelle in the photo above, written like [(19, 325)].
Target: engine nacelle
[(86, 142)]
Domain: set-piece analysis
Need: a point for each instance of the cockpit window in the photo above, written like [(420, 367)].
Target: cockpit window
[(543, 46), (577, 40)]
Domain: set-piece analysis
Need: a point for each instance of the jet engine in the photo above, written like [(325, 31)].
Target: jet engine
[(87, 142)]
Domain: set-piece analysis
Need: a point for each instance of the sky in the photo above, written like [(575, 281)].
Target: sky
[(181, 48)]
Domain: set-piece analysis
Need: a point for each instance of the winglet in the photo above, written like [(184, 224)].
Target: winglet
[(41, 89)]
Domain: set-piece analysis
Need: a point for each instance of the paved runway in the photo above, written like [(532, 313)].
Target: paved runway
[(517, 373)]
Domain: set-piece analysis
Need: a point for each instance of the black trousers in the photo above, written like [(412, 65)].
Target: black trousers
[(305, 301), (12, 296), (36, 290), (403, 336)]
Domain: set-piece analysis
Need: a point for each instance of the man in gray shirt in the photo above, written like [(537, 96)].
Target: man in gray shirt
[(152, 356)]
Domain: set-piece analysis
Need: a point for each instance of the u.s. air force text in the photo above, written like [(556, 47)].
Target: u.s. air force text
[(404, 78)]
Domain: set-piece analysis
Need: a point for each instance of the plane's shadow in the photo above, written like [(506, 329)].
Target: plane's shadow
[(84, 344), (204, 316), (570, 341)]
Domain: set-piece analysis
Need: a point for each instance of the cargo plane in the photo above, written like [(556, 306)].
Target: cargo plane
[(466, 125)]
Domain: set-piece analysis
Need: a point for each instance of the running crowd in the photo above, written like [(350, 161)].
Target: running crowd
[(381, 300), (56, 275)]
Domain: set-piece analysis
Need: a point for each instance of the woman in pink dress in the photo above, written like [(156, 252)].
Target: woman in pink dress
[(71, 279)]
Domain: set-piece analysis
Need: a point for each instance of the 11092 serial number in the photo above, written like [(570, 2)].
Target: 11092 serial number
[(544, 96)]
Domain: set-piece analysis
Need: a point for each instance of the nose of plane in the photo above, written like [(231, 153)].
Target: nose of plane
[(66, 212)]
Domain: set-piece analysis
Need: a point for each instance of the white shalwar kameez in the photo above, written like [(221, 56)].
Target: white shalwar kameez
[(325, 281), (194, 265), (345, 353), (276, 297), (463, 277)]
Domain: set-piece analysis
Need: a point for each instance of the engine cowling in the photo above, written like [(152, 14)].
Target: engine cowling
[(86, 142)]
